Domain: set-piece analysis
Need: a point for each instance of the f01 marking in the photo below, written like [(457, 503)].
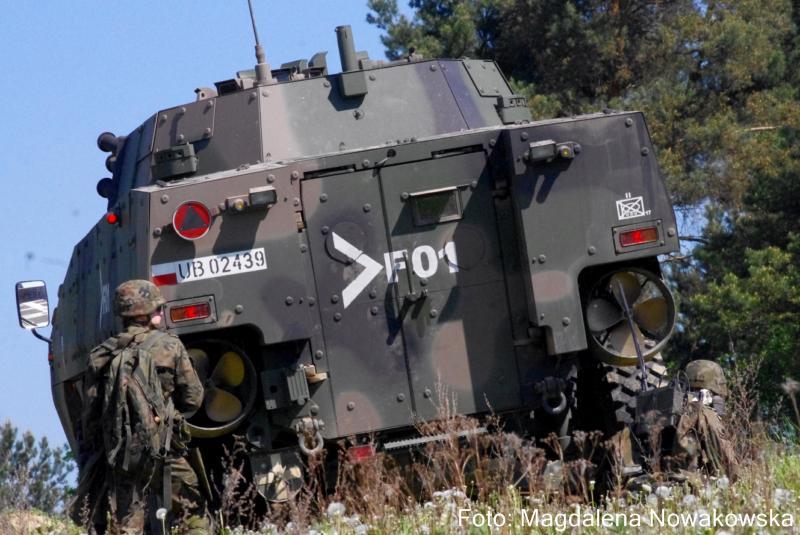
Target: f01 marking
[(424, 263)]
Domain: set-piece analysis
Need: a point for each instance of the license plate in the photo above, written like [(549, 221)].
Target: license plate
[(210, 267)]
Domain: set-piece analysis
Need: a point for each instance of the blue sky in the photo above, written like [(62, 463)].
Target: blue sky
[(71, 70)]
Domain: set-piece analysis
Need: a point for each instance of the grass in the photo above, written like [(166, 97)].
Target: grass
[(501, 483), (770, 484), (378, 497)]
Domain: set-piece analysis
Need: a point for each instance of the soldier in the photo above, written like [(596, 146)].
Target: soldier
[(700, 431), (132, 494)]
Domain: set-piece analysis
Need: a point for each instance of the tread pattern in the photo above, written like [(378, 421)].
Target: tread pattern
[(623, 384), (607, 393)]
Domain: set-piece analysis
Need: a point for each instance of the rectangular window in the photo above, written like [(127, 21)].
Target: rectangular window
[(436, 206)]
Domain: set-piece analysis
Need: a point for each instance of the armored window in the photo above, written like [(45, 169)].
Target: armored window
[(436, 206)]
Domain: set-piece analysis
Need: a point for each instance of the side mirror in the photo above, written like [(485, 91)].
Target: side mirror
[(33, 308)]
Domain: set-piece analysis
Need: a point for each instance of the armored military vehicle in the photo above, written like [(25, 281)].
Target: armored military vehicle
[(339, 251)]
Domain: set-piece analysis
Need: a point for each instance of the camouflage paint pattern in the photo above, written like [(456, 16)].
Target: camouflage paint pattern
[(486, 300)]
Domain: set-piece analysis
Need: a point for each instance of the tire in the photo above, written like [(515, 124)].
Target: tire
[(609, 392)]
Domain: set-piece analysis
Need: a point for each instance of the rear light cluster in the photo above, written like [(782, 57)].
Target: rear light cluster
[(189, 312), (638, 236), (359, 453)]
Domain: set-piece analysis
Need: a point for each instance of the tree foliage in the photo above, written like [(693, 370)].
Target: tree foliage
[(32, 474), (719, 88)]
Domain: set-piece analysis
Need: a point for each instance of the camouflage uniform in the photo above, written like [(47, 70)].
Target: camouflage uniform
[(130, 499), (701, 437)]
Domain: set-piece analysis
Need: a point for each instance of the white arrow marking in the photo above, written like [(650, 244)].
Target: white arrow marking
[(371, 268)]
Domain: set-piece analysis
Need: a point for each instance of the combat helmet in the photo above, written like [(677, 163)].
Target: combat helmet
[(707, 374), (137, 298)]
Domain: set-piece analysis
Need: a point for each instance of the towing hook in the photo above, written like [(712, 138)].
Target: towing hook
[(319, 442), (552, 409), (309, 429)]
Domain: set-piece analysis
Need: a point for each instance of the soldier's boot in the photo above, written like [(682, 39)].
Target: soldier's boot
[(196, 525), (188, 503)]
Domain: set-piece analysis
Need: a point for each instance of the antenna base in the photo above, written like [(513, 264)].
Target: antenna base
[(263, 74)]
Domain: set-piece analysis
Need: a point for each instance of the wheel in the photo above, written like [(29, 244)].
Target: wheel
[(607, 393)]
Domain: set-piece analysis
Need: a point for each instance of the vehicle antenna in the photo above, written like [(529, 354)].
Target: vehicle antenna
[(629, 317), (263, 72)]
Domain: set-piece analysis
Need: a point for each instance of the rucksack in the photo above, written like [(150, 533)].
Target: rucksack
[(136, 421)]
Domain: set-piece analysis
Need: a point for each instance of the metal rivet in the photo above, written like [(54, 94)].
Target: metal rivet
[(373, 294), (541, 316), (295, 175), (289, 300), (270, 178), (427, 393), (645, 151), (565, 321), (314, 410), (367, 207), (326, 229), (312, 301), (423, 282), (164, 199), (401, 397), (372, 77), (253, 95), (671, 232), (492, 142), (182, 111), (576, 148), (303, 247), (181, 137), (164, 118), (365, 163), (433, 68), (296, 201), (207, 132), (592, 249), (523, 136), (351, 405), (319, 354), (404, 195), (323, 197), (628, 122), (373, 311), (334, 298), (433, 313), (238, 309), (337, 317), (157, 232), (542, 259), (473, 184), (326, 83), (265, 93)]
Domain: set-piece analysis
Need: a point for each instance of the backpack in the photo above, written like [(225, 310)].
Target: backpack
[(136, 421)]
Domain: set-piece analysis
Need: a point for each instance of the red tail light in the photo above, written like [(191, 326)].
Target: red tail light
[(638, 236), (112, 218), (189, 312), (359, 453)]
